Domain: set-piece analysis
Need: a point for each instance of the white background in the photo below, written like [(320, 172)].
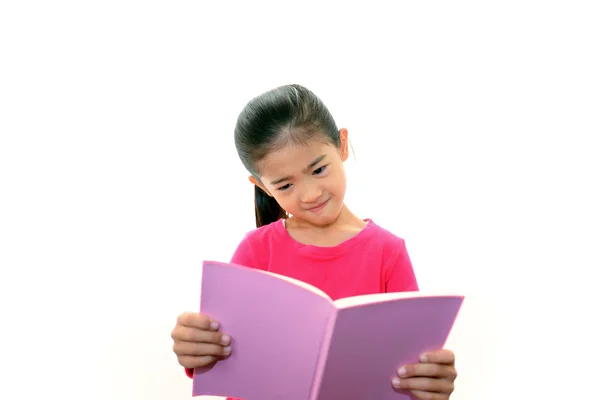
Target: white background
[(474, 126)]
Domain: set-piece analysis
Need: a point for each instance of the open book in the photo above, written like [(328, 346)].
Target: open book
[(290, 341)]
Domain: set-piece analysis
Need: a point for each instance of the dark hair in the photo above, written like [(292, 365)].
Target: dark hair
[(289, 114)]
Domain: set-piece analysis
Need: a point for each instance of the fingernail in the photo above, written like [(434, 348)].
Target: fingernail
[(423, 358), (214, 325), (227, 350), (225, 339), (396, 382), (402, 371)]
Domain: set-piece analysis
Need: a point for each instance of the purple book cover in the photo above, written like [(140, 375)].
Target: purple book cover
[(290, 341), (370, 342)]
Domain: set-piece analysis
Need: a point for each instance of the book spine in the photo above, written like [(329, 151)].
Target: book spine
[(323, 353)]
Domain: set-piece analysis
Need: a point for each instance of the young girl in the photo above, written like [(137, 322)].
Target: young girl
[(290, 144)]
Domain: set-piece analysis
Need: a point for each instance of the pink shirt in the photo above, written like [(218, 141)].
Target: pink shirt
[(373, 261)]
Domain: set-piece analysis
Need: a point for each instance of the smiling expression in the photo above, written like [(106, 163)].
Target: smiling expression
[(307, 180)]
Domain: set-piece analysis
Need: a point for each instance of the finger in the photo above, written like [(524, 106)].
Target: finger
[(447, 372), (196, 320), (421, 395), (200, 349), (186, 334), (425, 384), (442, 356), (197, 362)]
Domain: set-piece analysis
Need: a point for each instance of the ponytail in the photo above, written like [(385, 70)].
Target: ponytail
[(266, 208)]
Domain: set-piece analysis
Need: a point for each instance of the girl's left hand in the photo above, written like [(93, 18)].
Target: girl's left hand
[(431, 379)]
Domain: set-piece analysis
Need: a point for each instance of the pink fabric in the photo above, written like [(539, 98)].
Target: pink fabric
[(373, 261)]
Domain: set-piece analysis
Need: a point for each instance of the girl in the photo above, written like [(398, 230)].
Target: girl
[(289, 142)]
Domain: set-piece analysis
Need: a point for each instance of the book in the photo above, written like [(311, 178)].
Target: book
[(291, 341)]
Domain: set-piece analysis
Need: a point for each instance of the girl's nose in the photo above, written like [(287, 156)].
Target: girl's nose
[(311, 194)]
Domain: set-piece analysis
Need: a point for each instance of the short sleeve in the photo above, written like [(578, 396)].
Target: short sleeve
[(245, 254), (401, 276)]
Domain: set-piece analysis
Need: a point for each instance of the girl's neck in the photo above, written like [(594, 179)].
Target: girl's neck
[(345, 220), (346, 226)]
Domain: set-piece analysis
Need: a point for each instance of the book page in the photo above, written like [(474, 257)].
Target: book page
[(382, 297)]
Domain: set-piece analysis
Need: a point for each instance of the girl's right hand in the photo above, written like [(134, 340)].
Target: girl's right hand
[(198, 342)]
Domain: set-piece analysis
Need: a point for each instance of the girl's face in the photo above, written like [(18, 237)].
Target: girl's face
[(308, 181)]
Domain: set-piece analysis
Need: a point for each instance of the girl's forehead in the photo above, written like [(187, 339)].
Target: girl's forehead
[(294, 158)]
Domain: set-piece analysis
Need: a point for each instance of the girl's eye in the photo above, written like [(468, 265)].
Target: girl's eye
[(285, 187), (320, 170)]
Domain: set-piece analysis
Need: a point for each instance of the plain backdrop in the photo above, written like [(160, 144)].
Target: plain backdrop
[(475, 133)]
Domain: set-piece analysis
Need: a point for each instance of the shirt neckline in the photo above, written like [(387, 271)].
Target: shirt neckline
[(325, 252)]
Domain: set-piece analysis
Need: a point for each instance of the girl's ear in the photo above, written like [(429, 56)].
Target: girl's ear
[(256, 182), (344, 144)]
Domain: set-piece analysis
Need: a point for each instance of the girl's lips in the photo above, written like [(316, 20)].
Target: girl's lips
[(319, 207)]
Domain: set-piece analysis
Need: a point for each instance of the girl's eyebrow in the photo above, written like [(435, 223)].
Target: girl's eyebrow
[(311, 165), (317, 160)]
